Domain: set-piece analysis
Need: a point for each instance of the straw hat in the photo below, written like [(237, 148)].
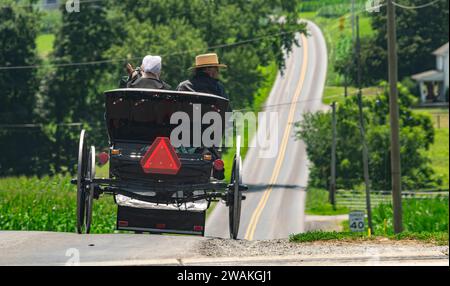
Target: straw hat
[(207, 60)]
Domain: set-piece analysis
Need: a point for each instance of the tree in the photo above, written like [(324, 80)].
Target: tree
[(417, 135), (371, 56), (174, 39), (74, 93), (18, 28)]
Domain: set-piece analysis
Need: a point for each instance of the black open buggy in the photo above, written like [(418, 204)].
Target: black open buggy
[(145, 167)]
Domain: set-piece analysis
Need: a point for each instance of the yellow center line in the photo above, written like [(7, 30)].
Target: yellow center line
[(257, 213)]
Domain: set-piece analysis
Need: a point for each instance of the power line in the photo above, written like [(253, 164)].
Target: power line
[(265, 107), (37, 125), (221, 46), (48, 4), (415, 7), (288, 104)]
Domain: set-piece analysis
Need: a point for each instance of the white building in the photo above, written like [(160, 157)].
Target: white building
[(50, 4), (434, 83)]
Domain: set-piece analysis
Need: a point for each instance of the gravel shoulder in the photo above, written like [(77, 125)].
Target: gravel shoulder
[(243, 248)]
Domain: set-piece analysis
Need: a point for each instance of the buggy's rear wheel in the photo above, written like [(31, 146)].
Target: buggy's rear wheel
[(81, 181), (236, 194), (85, 187)]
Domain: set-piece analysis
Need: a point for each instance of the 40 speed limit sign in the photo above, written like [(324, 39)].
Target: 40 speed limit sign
[(356, 221)]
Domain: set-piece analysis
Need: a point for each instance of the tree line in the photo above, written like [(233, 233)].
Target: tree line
[(417, 135)]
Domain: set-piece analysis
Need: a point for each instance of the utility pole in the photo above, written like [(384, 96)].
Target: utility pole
[(333, 159), (353, 20), (394, 118), (362, 129), (353, 43)]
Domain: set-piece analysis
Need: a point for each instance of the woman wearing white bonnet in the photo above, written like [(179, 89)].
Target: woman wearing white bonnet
[(149, 76), (151, 66)]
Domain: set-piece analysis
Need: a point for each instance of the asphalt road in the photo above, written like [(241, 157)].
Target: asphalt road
[(51, 248), (275, 202)]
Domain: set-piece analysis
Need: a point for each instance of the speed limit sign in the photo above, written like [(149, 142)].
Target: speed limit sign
[(356, 221)]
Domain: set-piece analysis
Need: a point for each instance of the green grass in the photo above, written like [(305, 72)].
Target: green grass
[(311, 15), (432, 111), (48, 204), (317, 203), (337, 93), (423, 219), (324, 236), (103, 171), (438, 238), (44, 44), (439, 116), (419, 216), (438, 154)]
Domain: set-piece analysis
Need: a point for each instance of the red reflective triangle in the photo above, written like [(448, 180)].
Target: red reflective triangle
[(161, 158)]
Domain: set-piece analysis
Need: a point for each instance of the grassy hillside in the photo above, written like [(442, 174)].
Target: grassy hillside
[(328, 16), (438, 152), (44, 44)]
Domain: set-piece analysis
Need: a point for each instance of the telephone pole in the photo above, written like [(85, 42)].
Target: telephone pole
[(353, 20), (394, 118), (333, 159), (362, 128)]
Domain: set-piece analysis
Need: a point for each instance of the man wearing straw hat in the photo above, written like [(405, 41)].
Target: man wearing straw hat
[(206, 76), (206, 80)]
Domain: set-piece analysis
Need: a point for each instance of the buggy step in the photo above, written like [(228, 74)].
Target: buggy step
[(161, 221)]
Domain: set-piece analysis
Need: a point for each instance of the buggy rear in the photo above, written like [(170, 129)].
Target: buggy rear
[(159, 188)]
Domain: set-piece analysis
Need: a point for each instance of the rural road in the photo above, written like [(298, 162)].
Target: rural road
[(275, 202), (47, 248)]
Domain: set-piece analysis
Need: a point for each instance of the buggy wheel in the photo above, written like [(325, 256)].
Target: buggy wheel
[(89, 190), (81, 181), (236, 194)]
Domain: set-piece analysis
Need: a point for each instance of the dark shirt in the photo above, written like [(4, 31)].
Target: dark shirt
[(150, 83), (202, 82)]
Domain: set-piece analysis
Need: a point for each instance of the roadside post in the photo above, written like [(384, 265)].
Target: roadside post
[(362, 129), (333, 159), (394, 119)]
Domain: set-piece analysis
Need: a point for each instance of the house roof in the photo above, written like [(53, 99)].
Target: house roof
[(432, 75), (442, 50)]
